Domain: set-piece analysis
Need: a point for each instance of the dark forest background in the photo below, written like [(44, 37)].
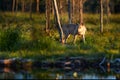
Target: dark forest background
[(91, 6)]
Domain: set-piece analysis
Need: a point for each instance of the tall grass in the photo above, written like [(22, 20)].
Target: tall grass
[(35, 43)]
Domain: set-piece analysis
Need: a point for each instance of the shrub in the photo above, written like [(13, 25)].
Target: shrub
[(9, 38), (45, 43)]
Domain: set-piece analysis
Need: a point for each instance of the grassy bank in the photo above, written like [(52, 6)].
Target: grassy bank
[(33, 42)]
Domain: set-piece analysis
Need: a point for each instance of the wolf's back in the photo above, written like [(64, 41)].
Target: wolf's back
[(70, 28)]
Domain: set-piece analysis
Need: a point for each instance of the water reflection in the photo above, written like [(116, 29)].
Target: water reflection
[(7, 73), (98, 77), (86, 76)]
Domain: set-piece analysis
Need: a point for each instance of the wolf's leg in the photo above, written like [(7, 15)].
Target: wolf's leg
[(74, 39), (83, 36), (67, 38)]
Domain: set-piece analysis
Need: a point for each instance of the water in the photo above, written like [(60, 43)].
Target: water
[(35, 73)]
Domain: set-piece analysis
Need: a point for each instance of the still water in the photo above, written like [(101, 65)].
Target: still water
[(7, 73)]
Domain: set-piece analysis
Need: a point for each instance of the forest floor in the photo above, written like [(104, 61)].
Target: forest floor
[(21, 37)]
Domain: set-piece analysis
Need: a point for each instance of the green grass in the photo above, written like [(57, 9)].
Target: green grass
[(34, 43)]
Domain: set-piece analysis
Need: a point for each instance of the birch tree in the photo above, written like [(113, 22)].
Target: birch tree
[(101, 16), (58, 21)]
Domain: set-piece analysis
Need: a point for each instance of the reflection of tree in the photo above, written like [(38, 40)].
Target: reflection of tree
[(7, 73), (61, 74), (58, 73)]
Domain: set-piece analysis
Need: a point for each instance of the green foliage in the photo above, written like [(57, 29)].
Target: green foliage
[(32, 41), (45, 43), (90, 19), (9, 39)]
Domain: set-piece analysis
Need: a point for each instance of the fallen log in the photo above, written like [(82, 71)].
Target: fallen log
[(73, 63)]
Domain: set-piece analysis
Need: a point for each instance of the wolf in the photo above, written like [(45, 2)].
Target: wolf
[(75, 30)]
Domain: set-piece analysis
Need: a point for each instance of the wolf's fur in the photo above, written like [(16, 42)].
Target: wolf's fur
[(75, 30)]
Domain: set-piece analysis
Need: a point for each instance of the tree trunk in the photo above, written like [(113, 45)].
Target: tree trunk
[(69, 11), (60, 6), (52, 7), (31, 9), (73, 9), (58, 21), (112, 6), (23, 5), (16, 9), (13, 6), (81, 11), (16, 5), (37, 7), (101, 16), (108, 10), (54, 15), (47, 15)]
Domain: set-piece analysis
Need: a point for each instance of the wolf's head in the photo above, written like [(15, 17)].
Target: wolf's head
[(81, 29)]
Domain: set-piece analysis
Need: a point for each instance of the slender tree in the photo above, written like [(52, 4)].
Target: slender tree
[(60, 6), (101, 16), (58, 21), (69, 11), (81, 11), (23, 5), (16, 6), (30, 9), (16, 9), (37, 6), (47, 15), (13, 6), (52, 6), (108, 10), (73, 10)]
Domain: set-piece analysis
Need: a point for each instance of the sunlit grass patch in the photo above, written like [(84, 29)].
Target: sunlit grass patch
[(114, 51)]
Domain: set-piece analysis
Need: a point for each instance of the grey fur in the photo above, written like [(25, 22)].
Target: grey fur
[(75, 30)]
